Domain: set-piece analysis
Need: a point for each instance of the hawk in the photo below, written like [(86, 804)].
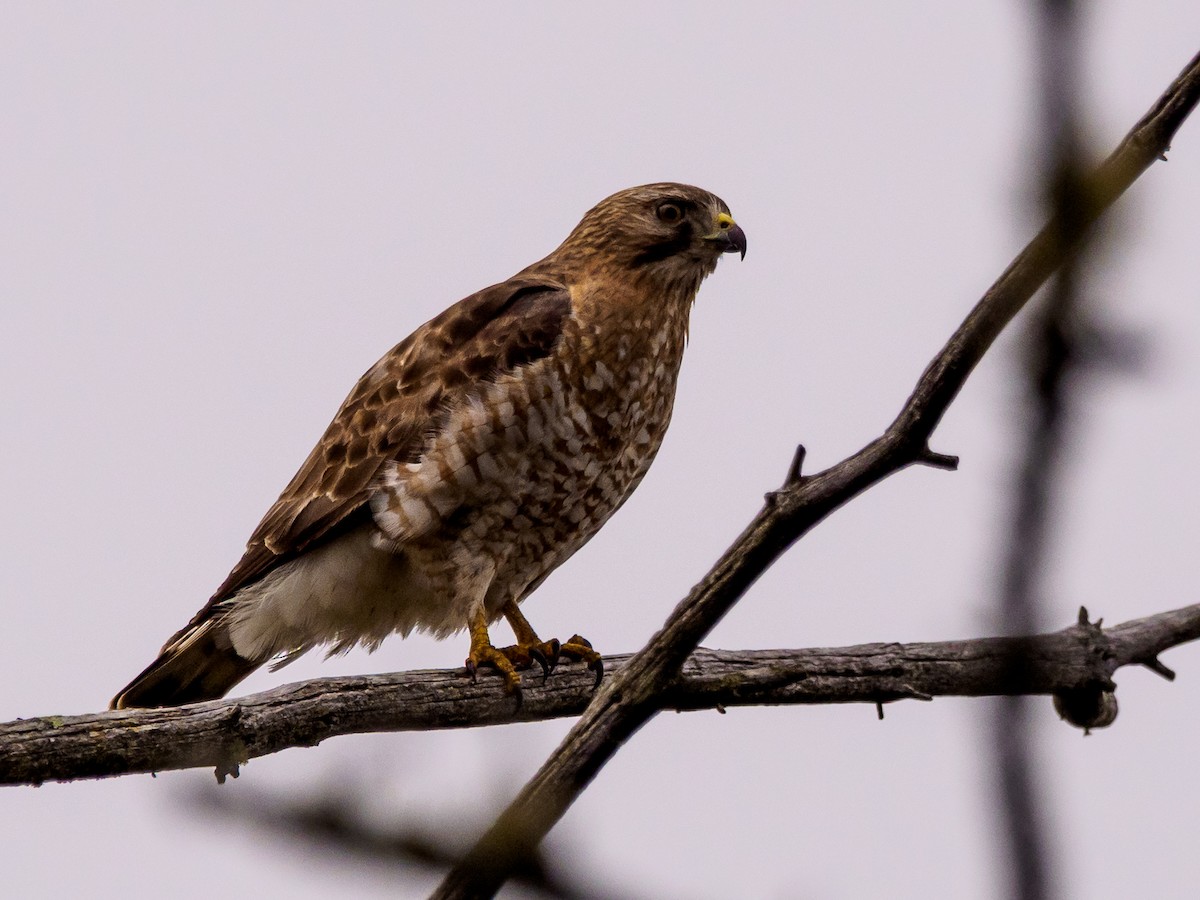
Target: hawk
[(471, 460)]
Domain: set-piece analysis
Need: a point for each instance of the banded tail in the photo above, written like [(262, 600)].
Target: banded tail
[(199, 663)]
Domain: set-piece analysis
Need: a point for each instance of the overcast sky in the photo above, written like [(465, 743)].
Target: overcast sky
[(214, 217)]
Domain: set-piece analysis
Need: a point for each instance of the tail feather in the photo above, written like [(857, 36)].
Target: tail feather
[(197, 664)]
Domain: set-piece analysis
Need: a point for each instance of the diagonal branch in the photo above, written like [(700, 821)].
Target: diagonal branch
[(1072, 664), (628, 701)]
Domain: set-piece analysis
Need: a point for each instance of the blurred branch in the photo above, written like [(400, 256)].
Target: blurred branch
[(1075, 665), (628, 701), (1041, 430), (336, 821)]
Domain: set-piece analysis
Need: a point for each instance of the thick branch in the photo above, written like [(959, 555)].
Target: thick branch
[(224, 733), (628, 700)]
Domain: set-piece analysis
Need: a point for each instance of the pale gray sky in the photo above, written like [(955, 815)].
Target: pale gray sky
[(214, 217)]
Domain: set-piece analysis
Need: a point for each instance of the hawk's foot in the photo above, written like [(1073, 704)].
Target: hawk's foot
[(511, 661), (484, 654), (524, 655), (580, 648), (530, 647)]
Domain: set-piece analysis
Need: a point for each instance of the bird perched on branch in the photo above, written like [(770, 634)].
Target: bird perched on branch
[(472, 460)]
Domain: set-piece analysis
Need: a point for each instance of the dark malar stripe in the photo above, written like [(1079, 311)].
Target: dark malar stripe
[(666, 249)]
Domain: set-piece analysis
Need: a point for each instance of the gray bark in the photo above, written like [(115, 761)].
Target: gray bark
[(1075, 664)]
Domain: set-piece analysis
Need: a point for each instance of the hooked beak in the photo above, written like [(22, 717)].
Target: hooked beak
[(729, 234)]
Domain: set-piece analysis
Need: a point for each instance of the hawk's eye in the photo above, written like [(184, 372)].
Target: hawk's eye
[(670, 212)]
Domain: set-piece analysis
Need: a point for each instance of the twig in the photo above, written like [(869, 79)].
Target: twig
[(627, 701), (123, 742)]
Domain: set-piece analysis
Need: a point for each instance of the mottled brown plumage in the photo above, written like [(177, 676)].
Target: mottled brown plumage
[(473, 459)]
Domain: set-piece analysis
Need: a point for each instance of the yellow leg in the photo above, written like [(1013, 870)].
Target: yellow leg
[(528, 649), (520, 625), (484, 654)]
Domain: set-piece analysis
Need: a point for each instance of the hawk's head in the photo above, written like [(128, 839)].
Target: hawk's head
[(666, 231)]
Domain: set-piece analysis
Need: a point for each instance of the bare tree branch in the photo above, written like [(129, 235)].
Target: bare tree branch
[(627, 701), (1074, 664)]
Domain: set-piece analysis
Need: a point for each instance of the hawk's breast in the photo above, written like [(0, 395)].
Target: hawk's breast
[(529, 467)]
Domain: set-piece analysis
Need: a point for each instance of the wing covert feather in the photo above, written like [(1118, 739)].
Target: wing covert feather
[(395, 406)]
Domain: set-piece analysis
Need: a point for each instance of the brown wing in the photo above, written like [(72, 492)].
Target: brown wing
[(395, 406)]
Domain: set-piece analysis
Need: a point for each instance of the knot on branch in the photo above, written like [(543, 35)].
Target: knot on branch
[(1098, 649), (1087, 708), (235, 751), (1092, 704)]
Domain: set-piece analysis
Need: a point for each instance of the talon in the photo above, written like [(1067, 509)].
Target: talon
[(483, 653), (580, 648), (512, 681), (539, 657), (487, 655), (529, 648), (597, 665)]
